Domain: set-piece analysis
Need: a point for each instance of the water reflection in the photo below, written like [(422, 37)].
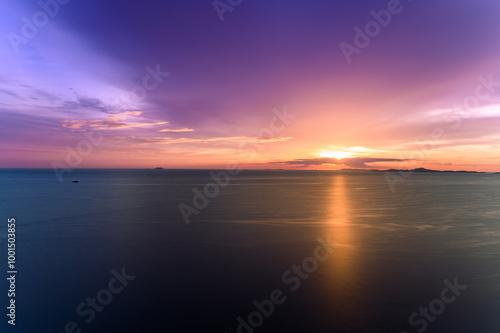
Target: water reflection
[(343, 280), (341, 231)]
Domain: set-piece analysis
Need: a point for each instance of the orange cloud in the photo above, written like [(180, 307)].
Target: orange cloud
[(114, 121), (183, 129)]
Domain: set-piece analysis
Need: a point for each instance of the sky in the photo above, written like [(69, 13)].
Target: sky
[(318, 84)]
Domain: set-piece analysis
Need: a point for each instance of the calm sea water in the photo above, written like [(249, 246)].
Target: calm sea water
[(391, 253)]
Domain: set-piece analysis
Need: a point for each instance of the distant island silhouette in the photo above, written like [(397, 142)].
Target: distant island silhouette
[(423, 170), (429, 170)]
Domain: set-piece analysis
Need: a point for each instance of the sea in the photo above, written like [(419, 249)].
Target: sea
[(119, 250)]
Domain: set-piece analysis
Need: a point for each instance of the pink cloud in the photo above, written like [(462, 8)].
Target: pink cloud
[(114, 121), (183, 129)]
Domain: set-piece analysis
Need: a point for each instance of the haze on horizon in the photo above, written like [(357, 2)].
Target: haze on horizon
[(274, 84)]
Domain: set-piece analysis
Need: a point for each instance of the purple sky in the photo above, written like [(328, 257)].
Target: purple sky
[(225, 78)]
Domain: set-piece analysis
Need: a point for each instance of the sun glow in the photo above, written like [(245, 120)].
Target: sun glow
[(336, 154)]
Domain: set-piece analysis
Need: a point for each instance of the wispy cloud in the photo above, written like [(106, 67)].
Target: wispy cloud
[(169, 141), (88, 103), (355, 162), (445, 116), (114, 121), (183, 129)]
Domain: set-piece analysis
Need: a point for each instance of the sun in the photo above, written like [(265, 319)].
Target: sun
[(336, 154)]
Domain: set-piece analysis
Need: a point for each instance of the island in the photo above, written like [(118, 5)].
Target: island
[(427, 170)]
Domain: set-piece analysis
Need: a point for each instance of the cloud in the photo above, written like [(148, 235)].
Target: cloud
[(88, 103), (114, 121), (183, 129), (231, 138), (169, 141), (16, 93), (445, 117), (10, 93), (354, 162)]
